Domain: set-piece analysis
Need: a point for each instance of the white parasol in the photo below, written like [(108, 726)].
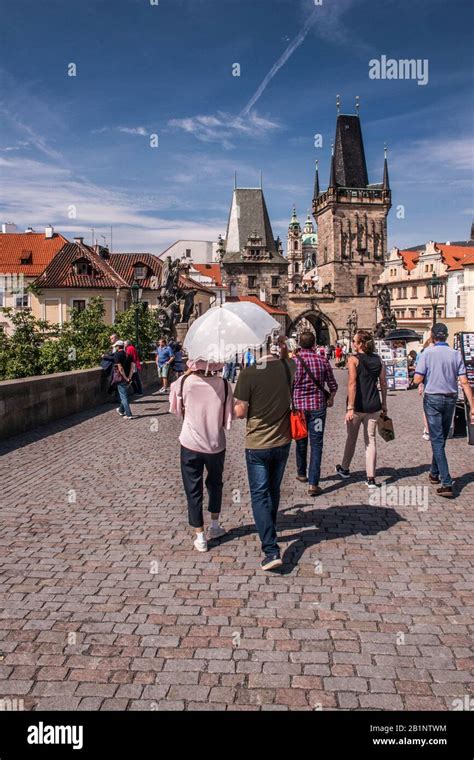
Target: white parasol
[(227, 330)]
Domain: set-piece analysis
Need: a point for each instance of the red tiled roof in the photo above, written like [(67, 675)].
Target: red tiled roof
[(468, 260), (253, 299), (187, 283), (210, 270), (453, 255), (59, 273), (410, 259), (40, 250), (124, 264)]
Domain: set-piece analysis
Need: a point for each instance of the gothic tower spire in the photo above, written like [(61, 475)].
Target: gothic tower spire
[(316, 181), (386, 183)]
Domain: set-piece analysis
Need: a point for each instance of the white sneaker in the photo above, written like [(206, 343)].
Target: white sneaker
[(426, 435), (201, 546), (133, 417), (213, 533), (162, 390), (119, 412)]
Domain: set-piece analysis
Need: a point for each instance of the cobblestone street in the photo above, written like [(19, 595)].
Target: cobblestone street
[(105, 604)]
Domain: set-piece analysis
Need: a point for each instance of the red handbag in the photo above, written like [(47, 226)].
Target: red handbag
[(299, 428)]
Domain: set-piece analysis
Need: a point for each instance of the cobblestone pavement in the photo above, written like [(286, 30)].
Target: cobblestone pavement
[(105, 604)]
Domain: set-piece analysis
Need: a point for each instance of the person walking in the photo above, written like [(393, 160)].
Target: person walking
[(364, 404), (205, 402), (439, 368), (164, 359), (248, 358), (263, 397), (123, 374), (132, 352), (313, 372), (338, 355), (179, 366)]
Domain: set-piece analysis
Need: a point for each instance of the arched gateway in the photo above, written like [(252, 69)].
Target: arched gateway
[(324, 329)]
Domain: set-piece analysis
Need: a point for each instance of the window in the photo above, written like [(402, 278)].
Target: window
[(361, 285), (252, 281), (414, 291), (275, 300), (188, 253), (82, 266), (427, 268), (25, 257), (145, 305), (297, 267), (275, 282), (21, 301), (2, 298), (233, 289), (80, 305), (404, 292), (427, 312), (413, 313), (141, 271)]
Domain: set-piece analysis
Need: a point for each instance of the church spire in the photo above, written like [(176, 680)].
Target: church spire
[(386, 183), (332, 177), (316, 181)]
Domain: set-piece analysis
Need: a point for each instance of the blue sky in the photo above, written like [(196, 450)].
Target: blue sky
[(166, 69)]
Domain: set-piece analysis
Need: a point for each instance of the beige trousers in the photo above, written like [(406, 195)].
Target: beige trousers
[(369, 423)]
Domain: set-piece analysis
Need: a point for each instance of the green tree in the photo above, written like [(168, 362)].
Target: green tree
[(23, 354), (86, 336), (149, 328)]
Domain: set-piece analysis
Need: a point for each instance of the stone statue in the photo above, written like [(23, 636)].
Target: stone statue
[(171, 295), (388, 321)]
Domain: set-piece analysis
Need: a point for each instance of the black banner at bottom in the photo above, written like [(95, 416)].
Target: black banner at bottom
[(136, 734)]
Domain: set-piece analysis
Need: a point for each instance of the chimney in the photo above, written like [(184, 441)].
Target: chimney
[(79, 240), (8, 227), (29, 230), (49, 231)]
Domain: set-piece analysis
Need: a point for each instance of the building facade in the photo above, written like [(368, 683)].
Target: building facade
[(407, 274), (251, 259), (351, 217)]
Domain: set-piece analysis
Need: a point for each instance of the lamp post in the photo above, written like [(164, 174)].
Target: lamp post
[(434, 292), (136, 292)]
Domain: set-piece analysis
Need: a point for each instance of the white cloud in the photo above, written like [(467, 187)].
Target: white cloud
[(224, 127), (40, 193)]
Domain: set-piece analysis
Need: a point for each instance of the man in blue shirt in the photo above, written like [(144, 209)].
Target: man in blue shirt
[(164, 359), (440, 368)]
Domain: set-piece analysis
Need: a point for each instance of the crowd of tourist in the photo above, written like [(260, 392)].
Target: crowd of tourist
[(289, 377)]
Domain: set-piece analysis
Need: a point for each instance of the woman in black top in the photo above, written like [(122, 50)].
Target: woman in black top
[(364, 404)]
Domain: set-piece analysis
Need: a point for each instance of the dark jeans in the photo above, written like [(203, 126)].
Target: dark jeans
[(265, 469), (439, 410), (137, 383), (192, 471), (124, 407), (315, 421)]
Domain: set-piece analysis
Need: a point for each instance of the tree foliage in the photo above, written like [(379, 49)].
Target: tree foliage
[(38, 347)]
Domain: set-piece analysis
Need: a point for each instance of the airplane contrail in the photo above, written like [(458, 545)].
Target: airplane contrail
[(296, 42)]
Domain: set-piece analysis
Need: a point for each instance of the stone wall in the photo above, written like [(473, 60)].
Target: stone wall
[(32, 401)]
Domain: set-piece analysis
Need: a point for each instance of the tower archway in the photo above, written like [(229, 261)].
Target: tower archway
[(318, 323)]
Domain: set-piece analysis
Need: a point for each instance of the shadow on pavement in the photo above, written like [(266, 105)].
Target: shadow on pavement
[(319, 525)]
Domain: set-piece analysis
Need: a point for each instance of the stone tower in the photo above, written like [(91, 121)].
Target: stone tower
[(294, 253), (352, 224), (253, 264)]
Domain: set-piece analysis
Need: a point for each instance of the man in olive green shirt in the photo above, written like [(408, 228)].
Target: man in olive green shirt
[(263, 396)]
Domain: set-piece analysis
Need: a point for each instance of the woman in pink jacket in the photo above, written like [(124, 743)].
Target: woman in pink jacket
[(205, 402)]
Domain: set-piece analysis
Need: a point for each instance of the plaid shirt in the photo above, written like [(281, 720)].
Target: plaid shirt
[(307, 396)]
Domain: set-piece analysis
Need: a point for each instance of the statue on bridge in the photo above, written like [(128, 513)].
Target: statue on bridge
[(388, 321), (172, 294)]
